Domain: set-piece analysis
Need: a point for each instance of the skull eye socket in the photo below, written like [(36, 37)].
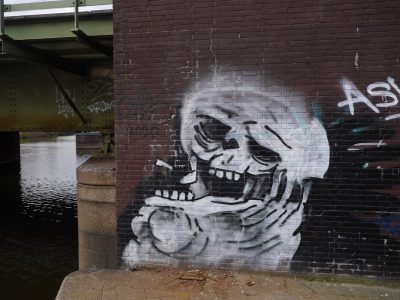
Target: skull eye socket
[(261, 154), (211, 129)]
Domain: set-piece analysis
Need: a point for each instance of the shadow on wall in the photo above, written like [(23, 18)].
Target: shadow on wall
[(352, 216), (352, 222)]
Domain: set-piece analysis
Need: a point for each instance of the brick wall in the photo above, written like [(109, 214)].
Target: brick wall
[(259, 134)]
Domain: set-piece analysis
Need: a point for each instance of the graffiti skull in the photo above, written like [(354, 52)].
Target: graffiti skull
[(253, 153), (249, 136)]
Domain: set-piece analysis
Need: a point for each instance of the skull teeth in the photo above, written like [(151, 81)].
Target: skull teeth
[(165, 193), (223, 173), (174, 195)]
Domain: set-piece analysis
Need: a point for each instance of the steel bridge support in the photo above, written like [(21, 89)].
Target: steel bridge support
[(9, 148), (9, 172)]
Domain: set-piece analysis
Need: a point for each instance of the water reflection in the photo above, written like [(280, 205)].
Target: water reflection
[(38, 228)]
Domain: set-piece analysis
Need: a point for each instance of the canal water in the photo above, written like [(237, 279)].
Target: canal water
[(38, 219)]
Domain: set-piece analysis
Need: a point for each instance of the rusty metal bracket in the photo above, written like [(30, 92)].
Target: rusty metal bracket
[(67, 97), (26, 52)]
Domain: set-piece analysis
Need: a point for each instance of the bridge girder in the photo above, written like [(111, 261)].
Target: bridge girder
[(51, 78), (31, 101)]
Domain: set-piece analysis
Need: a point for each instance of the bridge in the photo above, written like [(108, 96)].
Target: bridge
[(290, 108), (56, 65), (56, 60)]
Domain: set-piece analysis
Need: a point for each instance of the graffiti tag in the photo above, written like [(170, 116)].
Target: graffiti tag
[(63, 108), (100, 96), (385, 90), (101, 106)]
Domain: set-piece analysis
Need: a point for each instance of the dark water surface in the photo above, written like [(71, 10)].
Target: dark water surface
[(38, 221)]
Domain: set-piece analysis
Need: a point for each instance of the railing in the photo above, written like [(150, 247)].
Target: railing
[(14, 9)]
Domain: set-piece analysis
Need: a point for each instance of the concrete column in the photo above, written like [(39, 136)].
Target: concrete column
[(9, 147), (97, 220), (9, 173)]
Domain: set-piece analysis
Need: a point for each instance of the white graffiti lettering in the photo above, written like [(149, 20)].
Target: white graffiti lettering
[(99, 93), (376, 89), (63, 108), (100, 106), (353, 96)]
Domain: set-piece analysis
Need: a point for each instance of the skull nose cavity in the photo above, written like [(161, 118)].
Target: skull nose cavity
[(229, 145)]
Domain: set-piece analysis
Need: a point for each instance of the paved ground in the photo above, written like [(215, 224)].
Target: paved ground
[(179, 284)]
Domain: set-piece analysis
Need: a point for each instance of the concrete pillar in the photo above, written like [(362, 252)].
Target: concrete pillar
[(97, 221), (9, 173), (9, 147)]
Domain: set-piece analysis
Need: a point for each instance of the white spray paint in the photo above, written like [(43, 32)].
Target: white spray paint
[(100, 96), (236, 134), (63, 107), (101, 106), (385, 91), (356, 59)]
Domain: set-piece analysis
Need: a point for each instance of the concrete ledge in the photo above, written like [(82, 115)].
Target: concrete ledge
[(97, 193), (99, 170), (174, 283), (79, 285)]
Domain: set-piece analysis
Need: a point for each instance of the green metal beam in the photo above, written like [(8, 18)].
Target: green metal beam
[(93, 43), (30, 101), (81, 36), (23, 51), (67, 45), (59, 28)]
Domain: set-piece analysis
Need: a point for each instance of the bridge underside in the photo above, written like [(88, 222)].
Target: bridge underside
[(56, 74), (32, 101)]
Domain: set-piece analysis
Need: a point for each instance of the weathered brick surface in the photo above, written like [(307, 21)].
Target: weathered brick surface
[(318, 52)]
